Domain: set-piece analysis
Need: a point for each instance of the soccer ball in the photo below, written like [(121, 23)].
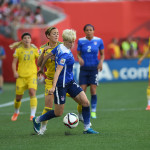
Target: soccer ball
[(71, 120)]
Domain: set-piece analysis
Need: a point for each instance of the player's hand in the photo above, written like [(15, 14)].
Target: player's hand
[(53, 58), (16, 75), (100, 66), (51, 91), (46, 48), (40, 72), (81, 61)]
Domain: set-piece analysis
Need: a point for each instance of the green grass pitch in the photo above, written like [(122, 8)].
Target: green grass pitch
[(122, 121)]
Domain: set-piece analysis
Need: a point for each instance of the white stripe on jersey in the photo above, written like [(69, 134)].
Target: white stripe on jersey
[(57, 95), (65, 68)]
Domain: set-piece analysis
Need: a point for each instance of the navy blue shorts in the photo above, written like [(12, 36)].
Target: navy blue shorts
[(88, 77), (0, 71), (72, 88)]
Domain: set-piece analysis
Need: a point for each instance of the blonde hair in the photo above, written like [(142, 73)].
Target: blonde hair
[(69, 35)]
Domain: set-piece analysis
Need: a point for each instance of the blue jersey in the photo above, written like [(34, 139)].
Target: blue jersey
[(89, 51), (2, 53), (64, 57)]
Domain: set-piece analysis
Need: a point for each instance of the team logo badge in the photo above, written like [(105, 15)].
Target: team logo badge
[(62, 61), (62, 98)]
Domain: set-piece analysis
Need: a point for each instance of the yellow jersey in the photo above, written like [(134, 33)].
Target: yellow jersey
[(26, 60), (50, 65)]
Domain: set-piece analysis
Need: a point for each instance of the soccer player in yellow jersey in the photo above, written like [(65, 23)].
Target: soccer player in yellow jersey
[(52, 35), (148, 89), (26, 73)]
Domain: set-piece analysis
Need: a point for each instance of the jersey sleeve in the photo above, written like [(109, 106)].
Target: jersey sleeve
[(79, 46), (16, 53), (101, 46), (36, 53), (62, 59), (54, 51)]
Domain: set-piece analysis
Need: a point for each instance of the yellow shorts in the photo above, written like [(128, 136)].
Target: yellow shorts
[(48, 85), (23, 84)]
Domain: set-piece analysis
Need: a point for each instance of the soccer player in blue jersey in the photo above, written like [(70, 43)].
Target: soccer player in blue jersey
[(63, 82), (88, 48)]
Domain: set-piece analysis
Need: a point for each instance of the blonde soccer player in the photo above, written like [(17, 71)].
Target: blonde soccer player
[(25, 56), (52, 35), (139, 62), (63, 82)]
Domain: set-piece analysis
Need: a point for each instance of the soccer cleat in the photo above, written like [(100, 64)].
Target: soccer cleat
[(14, 117), (148, 107), (36, 126), (93, 115), (31, 118), (90, 131)]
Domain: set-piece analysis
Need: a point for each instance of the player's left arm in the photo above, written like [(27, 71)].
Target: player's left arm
[(100, 65), (56, 75)]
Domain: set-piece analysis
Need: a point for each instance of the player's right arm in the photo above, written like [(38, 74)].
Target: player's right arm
[(145, 54), (14, 69), (49, 55), (41, 58), (81, 61)]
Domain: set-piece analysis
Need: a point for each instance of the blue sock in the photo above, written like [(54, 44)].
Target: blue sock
[(93, 103), (47, 116), (86, 114)]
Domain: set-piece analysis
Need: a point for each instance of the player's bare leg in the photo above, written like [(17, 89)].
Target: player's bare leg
[(17, 105)]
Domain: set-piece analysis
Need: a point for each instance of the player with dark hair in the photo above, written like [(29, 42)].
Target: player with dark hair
[(26, 73), (52, 35), (63, 82), (88, 48)]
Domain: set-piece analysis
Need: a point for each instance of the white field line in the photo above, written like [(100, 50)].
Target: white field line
[(102, 110), (23, 100)]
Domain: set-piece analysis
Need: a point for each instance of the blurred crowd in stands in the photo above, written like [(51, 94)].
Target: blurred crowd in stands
[(14, 14), (127, 48)]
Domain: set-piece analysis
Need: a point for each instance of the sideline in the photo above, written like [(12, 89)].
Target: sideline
[(23, 100)]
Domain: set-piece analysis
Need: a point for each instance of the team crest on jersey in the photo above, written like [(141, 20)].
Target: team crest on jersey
[(31, 52), (62, 61), (95, 43)]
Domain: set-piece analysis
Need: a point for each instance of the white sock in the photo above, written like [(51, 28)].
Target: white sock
[(87, 126), (33, 111), (149, 102), (17, 110), (43, 125)]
